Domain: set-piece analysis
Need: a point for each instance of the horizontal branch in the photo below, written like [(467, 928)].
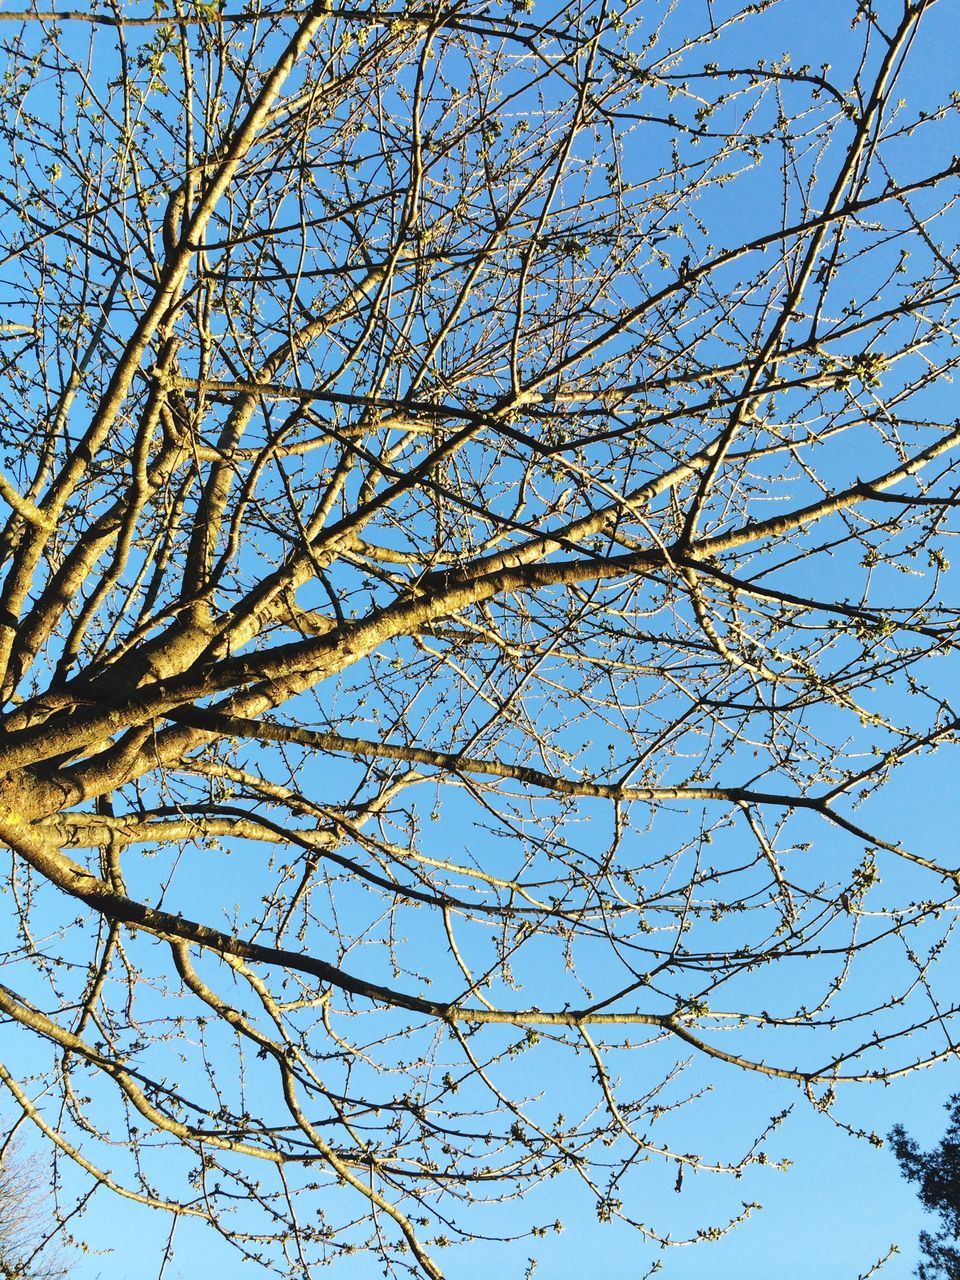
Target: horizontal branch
[(453, 762)]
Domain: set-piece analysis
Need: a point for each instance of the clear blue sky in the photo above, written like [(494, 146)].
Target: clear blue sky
[(842, 1203), (836, 1210)]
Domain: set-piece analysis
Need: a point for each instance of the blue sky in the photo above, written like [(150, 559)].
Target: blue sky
[(841, 1203), (833, 1213)]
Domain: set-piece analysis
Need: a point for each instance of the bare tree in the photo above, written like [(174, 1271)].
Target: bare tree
[(27, 1228), (475, 487)]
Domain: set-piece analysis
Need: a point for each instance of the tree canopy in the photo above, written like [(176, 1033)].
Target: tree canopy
[(27, 1227), (937, 1174), (477, 484)]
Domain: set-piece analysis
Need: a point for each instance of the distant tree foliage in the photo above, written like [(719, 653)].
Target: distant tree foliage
[(937, 1177), (28, 1226)]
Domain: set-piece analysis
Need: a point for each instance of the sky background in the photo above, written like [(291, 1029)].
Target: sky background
[(832, 1214), (840, 1205)]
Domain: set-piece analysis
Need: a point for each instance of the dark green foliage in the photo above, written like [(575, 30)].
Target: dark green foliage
[(937, 1175)]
